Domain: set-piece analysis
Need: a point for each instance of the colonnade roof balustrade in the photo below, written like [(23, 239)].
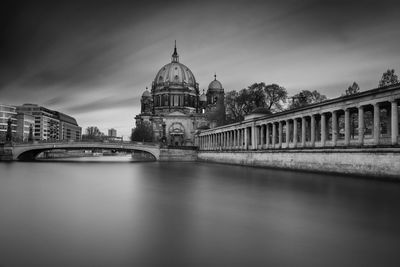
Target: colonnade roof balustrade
[(366, 118)]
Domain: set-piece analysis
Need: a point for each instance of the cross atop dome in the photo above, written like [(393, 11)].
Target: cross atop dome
[(175, 56), (215, 76)]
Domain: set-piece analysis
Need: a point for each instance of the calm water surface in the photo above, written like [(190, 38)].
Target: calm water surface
[(192, 214)]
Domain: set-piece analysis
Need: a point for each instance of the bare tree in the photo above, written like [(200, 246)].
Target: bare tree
[(306, 97)]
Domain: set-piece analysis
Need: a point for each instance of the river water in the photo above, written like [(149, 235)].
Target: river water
[(193, 214)]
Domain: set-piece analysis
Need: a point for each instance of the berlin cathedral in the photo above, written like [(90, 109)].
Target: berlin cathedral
[(176, 109)]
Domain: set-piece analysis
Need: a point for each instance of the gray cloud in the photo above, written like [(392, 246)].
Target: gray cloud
[(85, 56), (104, 103)]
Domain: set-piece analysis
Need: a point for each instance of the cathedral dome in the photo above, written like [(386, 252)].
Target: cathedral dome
[(215, 85), (175, 73)]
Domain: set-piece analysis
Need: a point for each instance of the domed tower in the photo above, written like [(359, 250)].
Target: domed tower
[(175, 89), (215, 103), (147, 102)]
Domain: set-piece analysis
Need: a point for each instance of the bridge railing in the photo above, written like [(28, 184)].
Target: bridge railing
[(39, 142)]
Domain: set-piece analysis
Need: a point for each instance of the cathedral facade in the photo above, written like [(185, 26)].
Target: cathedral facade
[(174, 107)]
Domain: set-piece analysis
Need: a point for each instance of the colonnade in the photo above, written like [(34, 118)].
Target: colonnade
[(355, 124)]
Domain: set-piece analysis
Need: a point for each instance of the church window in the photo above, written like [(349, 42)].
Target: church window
[(165, 100), (176, 100)]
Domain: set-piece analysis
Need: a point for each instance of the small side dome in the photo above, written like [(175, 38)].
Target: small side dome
[(215, 85), (146, 93)]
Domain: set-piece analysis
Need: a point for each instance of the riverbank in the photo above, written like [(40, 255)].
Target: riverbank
[(375, 162)]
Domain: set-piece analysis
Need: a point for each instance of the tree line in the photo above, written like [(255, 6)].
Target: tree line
[(268, 99)]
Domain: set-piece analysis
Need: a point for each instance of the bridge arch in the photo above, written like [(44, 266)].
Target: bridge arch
[(26, 152)]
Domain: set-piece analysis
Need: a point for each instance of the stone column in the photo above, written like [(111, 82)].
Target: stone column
[(226, 140), (253, 137), (323, 129), (214, 141), (262, 135), (245, 138), (280, 134), (273, 134), (361, 125), (231, 139), (312, 128), (303, 131), (256, 136), (395, 122), (334, 128), (267, 136), (347, 127), (242, 138), (239, 144), (237, 132), (287, 133), (377, 123), (295, 132)]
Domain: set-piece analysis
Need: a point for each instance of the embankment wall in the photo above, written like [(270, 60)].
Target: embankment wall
[(367, 162), (170, 154)]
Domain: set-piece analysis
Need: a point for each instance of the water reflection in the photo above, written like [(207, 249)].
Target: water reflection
[(193, 214)]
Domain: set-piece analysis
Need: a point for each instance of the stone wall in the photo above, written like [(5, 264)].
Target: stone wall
[(171, 154), (381, 162)]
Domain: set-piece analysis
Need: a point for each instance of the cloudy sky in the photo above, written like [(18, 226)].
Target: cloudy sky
[(94, 59)]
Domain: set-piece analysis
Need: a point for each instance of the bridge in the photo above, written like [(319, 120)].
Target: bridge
[(29, 151)]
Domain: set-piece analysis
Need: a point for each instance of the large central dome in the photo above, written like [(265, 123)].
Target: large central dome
[(175, 89), (175, 73)]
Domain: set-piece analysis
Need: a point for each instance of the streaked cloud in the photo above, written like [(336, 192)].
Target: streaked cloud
[(93, 59)]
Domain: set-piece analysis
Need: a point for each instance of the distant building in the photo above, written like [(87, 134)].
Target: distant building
[(6, 112), (50, 124), (24, 122), (69, 129), (174, 107), (112, 132)]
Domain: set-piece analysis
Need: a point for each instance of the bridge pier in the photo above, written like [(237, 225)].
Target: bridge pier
[(6, 152)]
